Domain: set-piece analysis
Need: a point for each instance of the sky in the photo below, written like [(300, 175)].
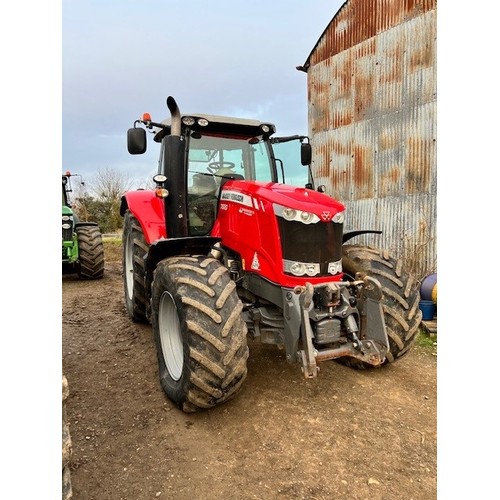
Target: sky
[(121, 58), (76, 74)]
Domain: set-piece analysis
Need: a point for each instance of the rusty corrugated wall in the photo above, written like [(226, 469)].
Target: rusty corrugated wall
[(371, 82)]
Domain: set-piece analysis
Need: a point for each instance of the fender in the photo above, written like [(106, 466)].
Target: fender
[(149, 210), (83, 224), (352, 234), (164, 248)]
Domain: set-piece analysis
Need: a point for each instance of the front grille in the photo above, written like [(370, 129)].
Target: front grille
[(311, 243), (67, 234)]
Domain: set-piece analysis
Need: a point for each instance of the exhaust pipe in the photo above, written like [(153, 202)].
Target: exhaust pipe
[(174, 169), (175, 126)]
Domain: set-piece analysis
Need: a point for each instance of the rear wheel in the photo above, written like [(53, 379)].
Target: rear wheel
[(399, 302), (135, 249), (90, 252), (199, 333)]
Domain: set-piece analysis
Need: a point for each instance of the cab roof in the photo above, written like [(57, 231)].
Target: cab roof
[(220, 124)]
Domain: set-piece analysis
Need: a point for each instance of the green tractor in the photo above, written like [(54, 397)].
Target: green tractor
[(82, 247)]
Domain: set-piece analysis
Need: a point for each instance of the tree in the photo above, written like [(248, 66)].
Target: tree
[(109, 185), (101, 203)]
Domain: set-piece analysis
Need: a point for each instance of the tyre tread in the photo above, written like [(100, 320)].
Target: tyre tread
[(91, 252), (215, 363), (400, 298), (137, 307)]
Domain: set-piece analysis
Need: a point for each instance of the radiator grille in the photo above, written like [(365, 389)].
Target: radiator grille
[(311, 243)]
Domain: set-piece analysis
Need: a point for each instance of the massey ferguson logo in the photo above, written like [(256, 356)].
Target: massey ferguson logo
[(227, 195), (325, 216), (236, 197)]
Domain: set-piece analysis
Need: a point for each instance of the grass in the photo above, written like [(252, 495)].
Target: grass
[(426, 341), (112, 249)]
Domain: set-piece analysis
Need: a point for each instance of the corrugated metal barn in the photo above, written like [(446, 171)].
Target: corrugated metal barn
[(371, 81)]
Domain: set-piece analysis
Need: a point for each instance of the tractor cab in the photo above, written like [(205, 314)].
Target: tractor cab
[(213, 150), (65, 200)]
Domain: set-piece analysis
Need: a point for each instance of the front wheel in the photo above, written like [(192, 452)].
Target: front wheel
[(199, 333), (135, 249), (90, 252), (399, 302)]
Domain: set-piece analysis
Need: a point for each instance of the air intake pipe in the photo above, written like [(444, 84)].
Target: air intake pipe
[(175, 123), (174, 168)]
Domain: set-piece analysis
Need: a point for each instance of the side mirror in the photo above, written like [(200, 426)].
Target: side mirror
[(136, 141), (305, 153)]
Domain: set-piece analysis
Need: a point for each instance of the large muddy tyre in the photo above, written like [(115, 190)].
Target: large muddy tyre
[(90, 252), (400, 298), (200, 335), (135, 249)]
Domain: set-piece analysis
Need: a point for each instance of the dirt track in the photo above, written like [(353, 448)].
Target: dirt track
[(347, 434)]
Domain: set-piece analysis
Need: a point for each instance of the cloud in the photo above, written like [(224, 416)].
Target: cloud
[(123, 58)]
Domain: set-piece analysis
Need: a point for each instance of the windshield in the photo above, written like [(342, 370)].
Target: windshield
[(210, 159), (249, 158)]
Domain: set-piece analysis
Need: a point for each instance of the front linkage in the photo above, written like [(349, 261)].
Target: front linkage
[(369, 345)]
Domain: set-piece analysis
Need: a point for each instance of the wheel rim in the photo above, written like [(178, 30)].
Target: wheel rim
[(170, 336), (129, 267)]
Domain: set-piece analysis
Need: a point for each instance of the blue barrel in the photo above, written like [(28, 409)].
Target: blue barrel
[(428, 289), (428, 309)]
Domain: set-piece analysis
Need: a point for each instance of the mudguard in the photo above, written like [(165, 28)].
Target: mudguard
[(149, 210)]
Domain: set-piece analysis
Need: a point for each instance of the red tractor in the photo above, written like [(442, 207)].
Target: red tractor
[(223, 248)]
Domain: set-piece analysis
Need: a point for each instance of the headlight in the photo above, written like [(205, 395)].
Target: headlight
[(159, 178), (268, 128), (306, 217), (301, 268), (339, 218), (298, 269), (188, 120), (66, 217), (66, 226), (335, 267), (297, 215), (202, 122)]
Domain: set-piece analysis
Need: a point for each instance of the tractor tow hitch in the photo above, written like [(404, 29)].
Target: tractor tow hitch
[(366, 351), (370, 345)]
